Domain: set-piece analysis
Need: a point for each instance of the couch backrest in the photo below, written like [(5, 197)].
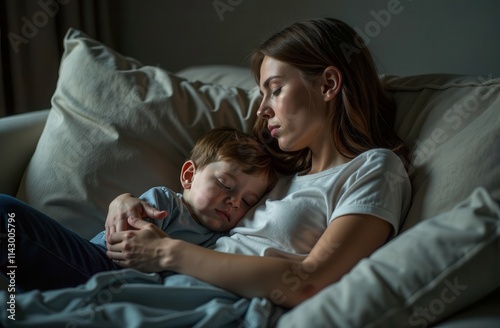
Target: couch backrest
[(450, 122), (452, 125), (116, 126)]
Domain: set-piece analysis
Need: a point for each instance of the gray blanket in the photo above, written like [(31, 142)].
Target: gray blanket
[(128, 298)]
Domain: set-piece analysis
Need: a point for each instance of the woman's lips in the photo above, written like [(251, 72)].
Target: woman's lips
[(273, 130)]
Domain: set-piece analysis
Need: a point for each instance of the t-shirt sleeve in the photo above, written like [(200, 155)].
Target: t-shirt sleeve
[(162, 199), (378, 186), (179, 224)]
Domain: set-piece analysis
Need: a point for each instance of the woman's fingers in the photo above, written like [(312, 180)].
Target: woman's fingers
[(137, 248)]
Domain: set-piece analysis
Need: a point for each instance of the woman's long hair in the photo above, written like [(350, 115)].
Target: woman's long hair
[(364, 116)]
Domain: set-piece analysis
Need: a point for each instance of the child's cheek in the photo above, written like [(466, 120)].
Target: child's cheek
[(240, 213), (206, 197), (201, 202)]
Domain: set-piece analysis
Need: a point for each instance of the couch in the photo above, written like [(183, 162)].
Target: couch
[(117, 126)]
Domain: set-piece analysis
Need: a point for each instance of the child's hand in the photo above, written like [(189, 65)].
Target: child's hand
[(125, 206)]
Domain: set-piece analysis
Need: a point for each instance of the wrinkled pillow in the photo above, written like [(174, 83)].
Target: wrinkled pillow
[(435, 269), (117, 126), (220, 74)]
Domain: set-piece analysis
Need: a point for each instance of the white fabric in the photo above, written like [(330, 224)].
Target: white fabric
[(292, 218), (220, 74)]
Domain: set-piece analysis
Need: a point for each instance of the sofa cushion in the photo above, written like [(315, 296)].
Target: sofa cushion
[(25, 129), (117, 126), (452, 125), (440, 266)]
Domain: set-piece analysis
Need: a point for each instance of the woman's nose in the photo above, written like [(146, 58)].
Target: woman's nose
[(265, 111)]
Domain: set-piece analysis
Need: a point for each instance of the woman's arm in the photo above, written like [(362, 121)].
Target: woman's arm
[(344, 243)]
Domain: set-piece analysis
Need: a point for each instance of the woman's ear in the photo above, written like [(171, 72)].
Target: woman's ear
[(187, 173), (332, 82)]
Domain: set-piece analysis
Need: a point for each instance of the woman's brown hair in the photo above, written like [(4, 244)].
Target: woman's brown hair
[(364, 116)]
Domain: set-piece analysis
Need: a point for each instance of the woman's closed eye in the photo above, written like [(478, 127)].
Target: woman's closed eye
[(276, 92)]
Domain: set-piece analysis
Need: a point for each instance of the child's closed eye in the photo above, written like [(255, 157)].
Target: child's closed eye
[(223, 185)]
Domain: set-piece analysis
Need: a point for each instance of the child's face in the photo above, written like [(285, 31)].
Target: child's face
[(220, 193)]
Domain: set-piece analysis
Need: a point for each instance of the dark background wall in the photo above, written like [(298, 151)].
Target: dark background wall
[(451, 36), (407, 37)]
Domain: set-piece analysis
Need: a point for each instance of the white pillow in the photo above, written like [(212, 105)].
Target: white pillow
[(433, 270), (220, 74), (116, 126)]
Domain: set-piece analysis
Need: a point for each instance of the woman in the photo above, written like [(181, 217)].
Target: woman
[(324, 105), (325, 118)]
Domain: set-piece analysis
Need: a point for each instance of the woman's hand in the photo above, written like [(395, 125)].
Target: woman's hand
[(125, 206), (140, 248)]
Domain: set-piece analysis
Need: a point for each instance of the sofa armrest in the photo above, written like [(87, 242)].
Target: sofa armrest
[(19, 136)]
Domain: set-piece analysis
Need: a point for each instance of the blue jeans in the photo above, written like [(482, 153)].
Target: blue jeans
[(42, 254)]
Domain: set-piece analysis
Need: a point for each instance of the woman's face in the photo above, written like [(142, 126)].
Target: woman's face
[(294, 109)]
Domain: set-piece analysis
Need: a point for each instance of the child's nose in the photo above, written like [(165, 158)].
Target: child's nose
[(234, 201)]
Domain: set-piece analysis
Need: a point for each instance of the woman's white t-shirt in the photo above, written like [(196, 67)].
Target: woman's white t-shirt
[(294, 215)]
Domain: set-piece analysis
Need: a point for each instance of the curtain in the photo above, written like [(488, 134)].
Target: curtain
[(32, 32)]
